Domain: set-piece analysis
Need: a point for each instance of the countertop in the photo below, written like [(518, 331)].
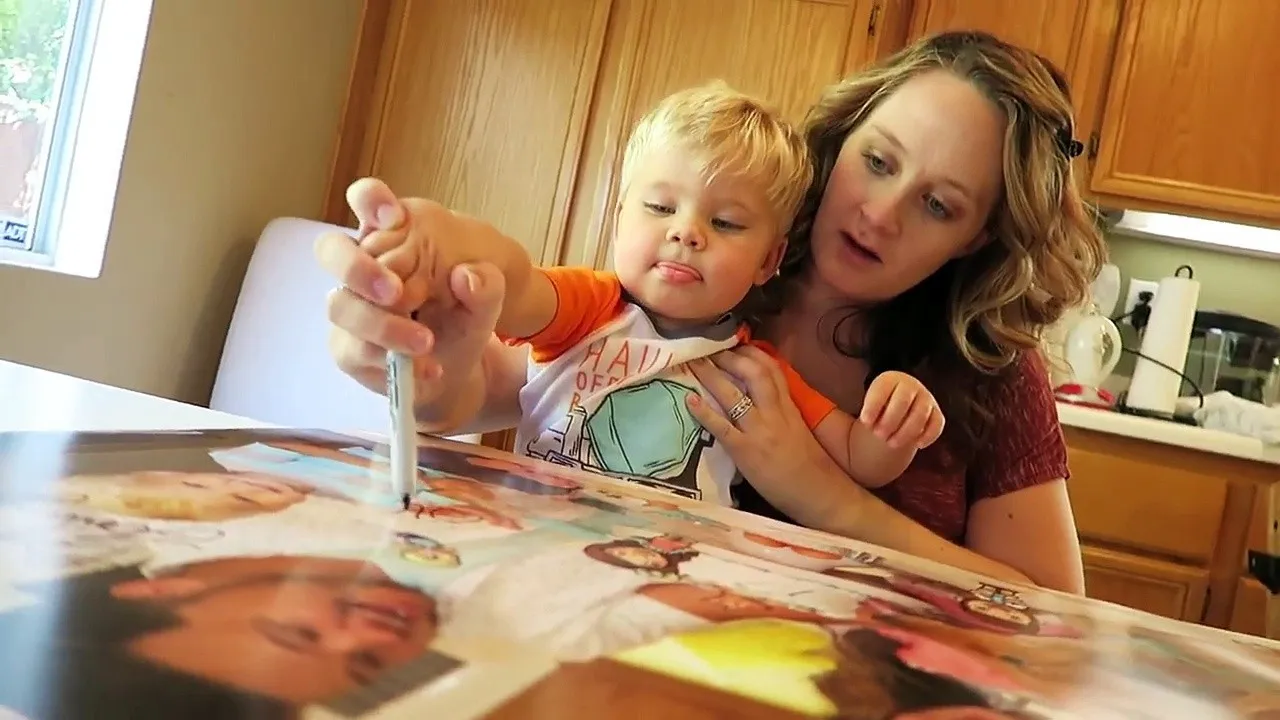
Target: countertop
[(1168, 433)]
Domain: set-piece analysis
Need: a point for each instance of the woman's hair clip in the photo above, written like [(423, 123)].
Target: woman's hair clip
[(1069, 145)]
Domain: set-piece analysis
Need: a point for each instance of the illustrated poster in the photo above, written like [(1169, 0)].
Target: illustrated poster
[(273, 574)]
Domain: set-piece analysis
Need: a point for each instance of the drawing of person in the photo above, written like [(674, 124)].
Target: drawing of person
[(585, 600), (197, 496), (232, 637), (525, 475), (1098, 677), (422, 550), (986, 607), (463, 513), (887, 672), (847, 670)]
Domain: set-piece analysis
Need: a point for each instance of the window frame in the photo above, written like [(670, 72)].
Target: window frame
[(101, 67)]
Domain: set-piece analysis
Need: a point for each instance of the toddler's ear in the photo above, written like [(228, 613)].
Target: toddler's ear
[(772, 261)]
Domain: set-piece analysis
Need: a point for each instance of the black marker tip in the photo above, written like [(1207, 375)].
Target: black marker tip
[(404, 500)]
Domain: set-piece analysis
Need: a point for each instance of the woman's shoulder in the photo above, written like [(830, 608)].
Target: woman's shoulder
[(1025, 445), (1027, 377)]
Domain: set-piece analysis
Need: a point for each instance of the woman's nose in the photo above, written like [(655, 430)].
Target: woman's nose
[(883, 211)]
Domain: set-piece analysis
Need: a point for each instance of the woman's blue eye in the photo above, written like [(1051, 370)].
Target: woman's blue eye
[(936, 207), (876, 164)]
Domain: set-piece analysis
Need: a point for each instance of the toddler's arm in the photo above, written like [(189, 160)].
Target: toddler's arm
[(855, 448), (899, 417), (433, 240)]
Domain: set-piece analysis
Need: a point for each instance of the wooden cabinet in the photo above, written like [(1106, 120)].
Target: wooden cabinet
[(1173, 98), (480, 105), (1191, 110), (1165, 529), (656, 47), (1078, 36), (518, 111)]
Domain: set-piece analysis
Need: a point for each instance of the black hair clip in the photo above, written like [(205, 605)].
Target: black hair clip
[(1069, 145)]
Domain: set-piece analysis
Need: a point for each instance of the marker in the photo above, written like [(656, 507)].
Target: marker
[(404, 433)]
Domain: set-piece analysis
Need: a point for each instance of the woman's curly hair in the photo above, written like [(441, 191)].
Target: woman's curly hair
[(973, 317)]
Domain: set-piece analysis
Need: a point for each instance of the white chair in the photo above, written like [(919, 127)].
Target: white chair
[(275, 364)]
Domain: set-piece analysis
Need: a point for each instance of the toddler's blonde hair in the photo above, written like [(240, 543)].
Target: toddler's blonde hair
[(728, 131)]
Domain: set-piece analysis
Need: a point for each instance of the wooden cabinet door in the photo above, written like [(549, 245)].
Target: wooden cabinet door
[(1154, 586), (1192, 109), (481, 105), (1076, 35), (785, 51)]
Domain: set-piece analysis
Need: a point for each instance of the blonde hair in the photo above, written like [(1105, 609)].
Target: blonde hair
[(727, 131), (982, 311)]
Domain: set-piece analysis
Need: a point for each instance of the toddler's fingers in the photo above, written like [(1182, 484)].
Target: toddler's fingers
[(895, 412), (933, 430), (358, 272), (873, 404), (374, 205), (913, 426), (355, 319), (380, 242)]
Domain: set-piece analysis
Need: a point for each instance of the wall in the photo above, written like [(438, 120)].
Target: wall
[(1237, 283), (235, 123)]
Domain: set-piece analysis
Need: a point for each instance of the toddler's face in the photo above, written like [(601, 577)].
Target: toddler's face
[(689, 250)]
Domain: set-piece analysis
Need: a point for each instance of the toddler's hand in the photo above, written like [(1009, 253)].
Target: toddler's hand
[(418, 240), (901, 411)]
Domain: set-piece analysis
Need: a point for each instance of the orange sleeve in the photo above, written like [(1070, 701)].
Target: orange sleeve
[(586, 299), (814, 406)]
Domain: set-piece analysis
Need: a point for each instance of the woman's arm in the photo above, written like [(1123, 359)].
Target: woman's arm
[(1033, 529), (829, 500), (1021, 516), (836, 504)]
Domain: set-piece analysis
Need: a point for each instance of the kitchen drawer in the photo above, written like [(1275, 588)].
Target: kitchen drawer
[(1154, 586), (1131, 497)]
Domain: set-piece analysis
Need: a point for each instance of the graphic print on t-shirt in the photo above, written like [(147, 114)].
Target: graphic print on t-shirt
[(642, 432)]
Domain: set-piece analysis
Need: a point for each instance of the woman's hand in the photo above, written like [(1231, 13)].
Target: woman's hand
[(770, 443), (369, 311)]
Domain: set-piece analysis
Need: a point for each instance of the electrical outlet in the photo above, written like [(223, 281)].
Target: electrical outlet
[(1137, 286)]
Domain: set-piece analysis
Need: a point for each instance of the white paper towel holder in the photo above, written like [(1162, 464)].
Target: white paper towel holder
[(1122, 404)]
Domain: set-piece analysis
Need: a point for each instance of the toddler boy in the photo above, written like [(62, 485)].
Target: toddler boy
[(711, 182)]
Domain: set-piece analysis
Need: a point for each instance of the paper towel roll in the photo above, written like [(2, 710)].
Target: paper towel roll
[(1165, 340)]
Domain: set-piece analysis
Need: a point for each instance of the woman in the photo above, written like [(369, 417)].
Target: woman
[(943, 233)]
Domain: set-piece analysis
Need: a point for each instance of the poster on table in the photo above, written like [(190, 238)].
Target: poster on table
[(274, 574)]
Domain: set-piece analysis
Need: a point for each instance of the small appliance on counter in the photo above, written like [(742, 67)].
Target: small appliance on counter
[(1084, 346), (1235, 353)]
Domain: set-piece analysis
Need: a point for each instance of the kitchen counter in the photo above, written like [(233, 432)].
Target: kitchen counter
[(1168, 433)]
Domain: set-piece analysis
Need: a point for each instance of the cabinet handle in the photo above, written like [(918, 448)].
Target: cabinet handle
[(1093, 147), (871, 23)]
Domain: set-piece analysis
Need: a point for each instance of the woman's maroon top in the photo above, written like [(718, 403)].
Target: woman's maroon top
[(1026, 448)]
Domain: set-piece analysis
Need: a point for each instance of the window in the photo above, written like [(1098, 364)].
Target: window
[(68, 73)]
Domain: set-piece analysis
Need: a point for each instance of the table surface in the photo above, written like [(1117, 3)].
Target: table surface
[(34, 399)]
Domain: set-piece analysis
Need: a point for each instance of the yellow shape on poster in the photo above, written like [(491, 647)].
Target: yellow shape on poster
[(773, 661)]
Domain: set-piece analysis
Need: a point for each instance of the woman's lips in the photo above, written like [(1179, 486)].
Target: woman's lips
[(677, 273), (860, 252)]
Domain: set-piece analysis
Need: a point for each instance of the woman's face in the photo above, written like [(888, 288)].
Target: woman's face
[(913, 187)]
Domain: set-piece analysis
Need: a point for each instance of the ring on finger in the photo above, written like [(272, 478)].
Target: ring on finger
[(740, 408)]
